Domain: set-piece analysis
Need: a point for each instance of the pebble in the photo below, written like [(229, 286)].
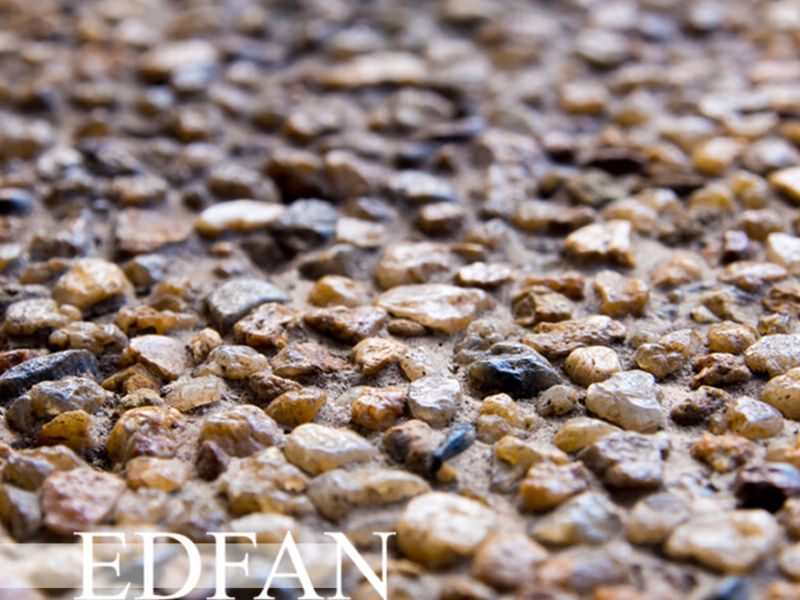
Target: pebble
[(360, 233), (784, 249), (750, 275), (621, 296), (295, 407), (515, 369), (591, 364), (559, 400), (188, 393), (345, 324), (79, 499), (774, 354), (783, 392), (377, 68), (319, 448), (658, 360), (167, 355), (681, 268), (139, 231), (434, 399), (627, 460), (498, 417), (19, 379), (305, 224), (336, 493), (306, 359), (580, 432), (165, 474), (20, 512), (266, 327), (629, 399), (144, 319), (37, 316), (484, 275), (378, 408), (720, 369), (267, 386), (51, 398), (238, 215), (90, 281), (232, 362), (264, 482), (438, 528), (412, 444), (731, 337), (73, 428), (547, 485), (606, 242), (240, 430), (405, 328), (164, 61), (146, 431), (787, 182), (767, 485), (335, 290), (556, 340), (419, 187), (439, 306), (416, 262), (654, 517), (536, 303), (589, 518), (723, 453), (507, 560), (753, 419), (728, 541), (234, 299), (789, 563), (584, 97), (440, 218)]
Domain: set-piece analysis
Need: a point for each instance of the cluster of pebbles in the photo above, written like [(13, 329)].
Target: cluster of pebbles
[(516, 280)]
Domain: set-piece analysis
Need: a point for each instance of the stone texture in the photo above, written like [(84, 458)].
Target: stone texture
[(556, 340), (90, 281), (783, 392), (589, 518), (654, 517), (515, 369), (238, 215), (167, 355), (374, 354), (347, 325), (435, 305), (629, 399), (627, 460), (295, 407), (234, 299), (377, 408), (730, 541), (240, 430), (79, 499), (438, 528), (620, 296), (22, 377), (319, 448), (266, 327), (145, 431), (337, 492), (547, 485), (753, 419), (607, 242), (434, 399), (410, 263), (591, 364)]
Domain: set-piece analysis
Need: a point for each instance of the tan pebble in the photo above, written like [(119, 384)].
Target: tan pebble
[(783, 392), (165, 474), (240, 430), (164, 353), (378, 408), (75, 429), (580, 432), (266, 327), (319, 448), (375, 354), (753, 419), (723, 453), (654, 517), (507, 560), (589, 365), (608, 242), (145, 431), (79, 499), (438, 528), (731, 337), (333, 290), (294, 407), (90, 281), (619, 295), (547, 485), (728, 541)]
